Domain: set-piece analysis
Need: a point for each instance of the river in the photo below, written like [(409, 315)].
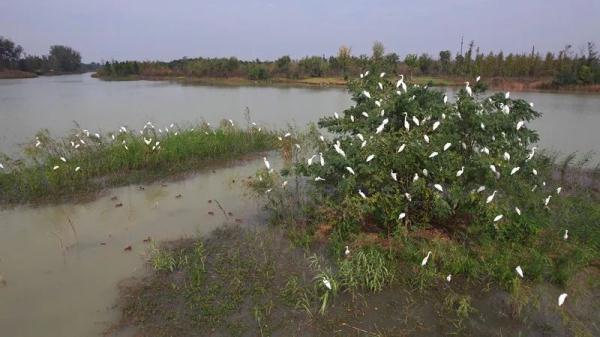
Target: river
[(62, 263)]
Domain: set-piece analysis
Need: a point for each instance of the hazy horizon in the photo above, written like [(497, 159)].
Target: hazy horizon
[(151, 30)]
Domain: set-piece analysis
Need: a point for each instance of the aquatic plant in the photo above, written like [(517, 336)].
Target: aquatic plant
[(87, 162)]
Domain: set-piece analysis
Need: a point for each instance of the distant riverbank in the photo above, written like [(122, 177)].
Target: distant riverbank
[(11, 74), (497, 83)]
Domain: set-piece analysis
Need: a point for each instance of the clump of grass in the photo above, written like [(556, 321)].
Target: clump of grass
[(53, 169), (368, 268)]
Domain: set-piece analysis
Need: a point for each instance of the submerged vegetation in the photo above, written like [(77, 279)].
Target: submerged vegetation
[(85, 162), (420, 216)]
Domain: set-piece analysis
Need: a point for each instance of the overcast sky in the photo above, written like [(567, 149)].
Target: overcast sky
[(164, 30)]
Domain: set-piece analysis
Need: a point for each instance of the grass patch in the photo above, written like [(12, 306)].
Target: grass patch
[(55, 169)]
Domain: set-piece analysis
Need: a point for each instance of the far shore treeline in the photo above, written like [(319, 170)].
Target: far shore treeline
[(565, 67), (14, 62)]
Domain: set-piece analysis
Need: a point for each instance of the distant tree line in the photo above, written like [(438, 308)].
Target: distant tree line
[(564, 67), (60, 59)]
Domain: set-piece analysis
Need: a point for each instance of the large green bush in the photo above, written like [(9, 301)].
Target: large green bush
[(412, 180)]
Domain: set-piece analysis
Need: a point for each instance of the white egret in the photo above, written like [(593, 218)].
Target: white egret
[(310, 160), (381, 126), (426, 137), (445, 99), (436, 125), (558, 189), (514, 170), (433, 154), (425, 172), (438, 187), (482, 126), (394, 175), (297, 146), (566, 236), (364, 113), (460, 172), (56, 167), (363, 144), (287, 135), (406, 124), (1, 166), (267, 164), (378, 103), (284, 184), (520, 125), (319, 179), (484, 150), (416, 177), (505, 109), (547, 200), (367, 73), (493, 168), (534, 171), (322, 138), (347, 251), (77, 169), (360, 136), (507, 95), (477, 79), (147, 141), (490, 198), (382, 74), (424, 262), (366, 94), (561, 299), (415, 120), (349, 169), (336, 115), (519, 271), (447, 146), (64, 160), (531, 153), (506, 156), (327, 283), (498, 217), (380, 85), (480, 189), (401, 216), (339, 150), (449, 278), (401, 148), (352, 118), (362, 194), (370, 157), (468, 89), (408, 196), (518, 210), (321, 159)]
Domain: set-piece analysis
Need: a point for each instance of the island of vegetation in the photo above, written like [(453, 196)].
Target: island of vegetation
[(61, 60), (564, 70), (419, 215)]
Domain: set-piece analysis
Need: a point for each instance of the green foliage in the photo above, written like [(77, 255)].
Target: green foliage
[(92, 162), (473, 126), (369, 268), (64, 59)]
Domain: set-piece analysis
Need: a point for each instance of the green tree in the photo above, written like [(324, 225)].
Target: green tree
[(412, 61), (378, 51), (64, 59), (9, 53), (445, 59)]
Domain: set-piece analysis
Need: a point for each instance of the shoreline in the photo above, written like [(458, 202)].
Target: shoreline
[(516, 84), (18, 74)]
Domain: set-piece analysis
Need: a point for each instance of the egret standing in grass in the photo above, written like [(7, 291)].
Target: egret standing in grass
[(424, 262)]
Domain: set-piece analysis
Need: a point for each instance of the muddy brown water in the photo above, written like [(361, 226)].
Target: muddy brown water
[(62, 263)]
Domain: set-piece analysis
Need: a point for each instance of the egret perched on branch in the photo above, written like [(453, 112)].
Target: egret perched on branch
[(438, 187), (339, 150), (382, 125), (349, 169), (362, 194), (310, 160), (498, 217), (547, 200), (415, 120), (436, 125), (514, 170), (445, 99), (520, 125), (401, 216), (370, 157), (507, 95), (491, 197), (394, 175), (433, 154), (426, 137), (447, 146), (506, 156), (468, 89), (460, 172), (401, 148), (364, 113), (366, 94), (406, 124), (558, 189)]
